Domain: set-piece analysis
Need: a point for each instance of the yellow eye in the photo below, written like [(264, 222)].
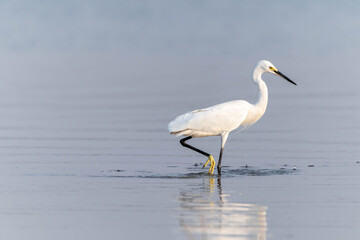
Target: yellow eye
[(272, 68)]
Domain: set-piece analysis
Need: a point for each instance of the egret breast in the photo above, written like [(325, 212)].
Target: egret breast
[(254, 114)]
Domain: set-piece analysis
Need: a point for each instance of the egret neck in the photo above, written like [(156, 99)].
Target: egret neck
[(263, 91)]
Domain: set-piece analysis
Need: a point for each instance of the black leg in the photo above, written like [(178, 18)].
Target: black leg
[(182, 141), (219, 163)]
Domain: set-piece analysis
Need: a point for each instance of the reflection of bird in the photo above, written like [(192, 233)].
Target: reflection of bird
[(207, 213), (223, 118)]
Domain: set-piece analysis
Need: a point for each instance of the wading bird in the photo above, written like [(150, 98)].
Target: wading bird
[(221, 119)]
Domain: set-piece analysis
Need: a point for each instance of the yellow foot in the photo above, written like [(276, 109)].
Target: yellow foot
[(212, 164)]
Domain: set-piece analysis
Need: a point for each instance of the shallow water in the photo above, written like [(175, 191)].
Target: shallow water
[(84, 147)]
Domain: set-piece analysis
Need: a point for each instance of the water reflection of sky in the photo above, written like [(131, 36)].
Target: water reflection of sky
[(90, 88), (206, 213)]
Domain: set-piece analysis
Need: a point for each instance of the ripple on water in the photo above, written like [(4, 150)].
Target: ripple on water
[(225, 173)]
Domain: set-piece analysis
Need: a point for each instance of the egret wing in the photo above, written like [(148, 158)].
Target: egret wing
[(214, 120)]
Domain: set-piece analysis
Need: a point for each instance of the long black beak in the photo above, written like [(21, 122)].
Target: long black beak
[(285, 77)]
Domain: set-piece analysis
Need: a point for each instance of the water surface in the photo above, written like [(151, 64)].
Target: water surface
[(84, 147)]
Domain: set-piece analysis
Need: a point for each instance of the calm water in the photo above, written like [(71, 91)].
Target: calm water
[(84, 147)]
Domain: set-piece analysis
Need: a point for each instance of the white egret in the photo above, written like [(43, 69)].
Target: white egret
[(221, 119)]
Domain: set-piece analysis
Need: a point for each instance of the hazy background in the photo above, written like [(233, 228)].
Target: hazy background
[(88, 88), (53, 46)]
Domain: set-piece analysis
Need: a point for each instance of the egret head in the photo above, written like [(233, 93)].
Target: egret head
[(267, 66)]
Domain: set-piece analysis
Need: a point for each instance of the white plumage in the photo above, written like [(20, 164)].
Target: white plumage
[(211, 121), (223, 118)]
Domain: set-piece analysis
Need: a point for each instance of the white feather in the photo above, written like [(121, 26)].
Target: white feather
[(211, 121)]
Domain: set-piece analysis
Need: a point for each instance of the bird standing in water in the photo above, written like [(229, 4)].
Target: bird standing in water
[(221, 119)]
